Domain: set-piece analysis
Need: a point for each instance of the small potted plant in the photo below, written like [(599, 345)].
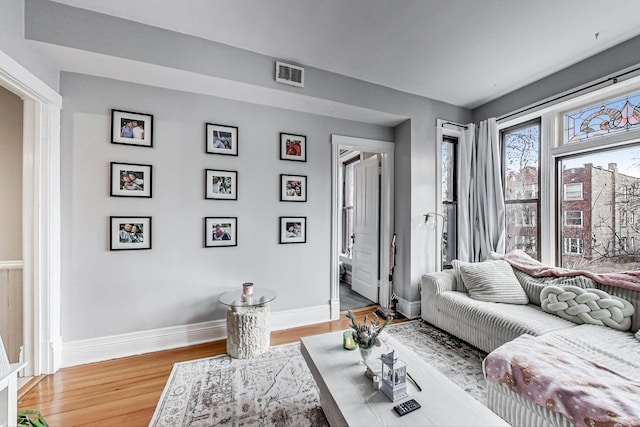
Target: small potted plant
[(366, 335)]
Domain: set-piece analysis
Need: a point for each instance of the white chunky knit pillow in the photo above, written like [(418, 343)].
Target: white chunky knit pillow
[(591, 306)]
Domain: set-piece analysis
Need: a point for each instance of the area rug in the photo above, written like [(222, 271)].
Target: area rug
[(277, 389)]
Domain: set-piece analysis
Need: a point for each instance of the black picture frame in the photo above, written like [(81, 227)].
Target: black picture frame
[(128, 233), (293, 229), (131, 128), (131, 180), (221, 139), (293, 147), (220, 184), (293, 188), (220, 231)]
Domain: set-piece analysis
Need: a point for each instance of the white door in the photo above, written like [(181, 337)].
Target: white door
[(365, 229)]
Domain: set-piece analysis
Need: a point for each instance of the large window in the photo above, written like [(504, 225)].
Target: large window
[(521, 150), (608, 185), (449, 199)]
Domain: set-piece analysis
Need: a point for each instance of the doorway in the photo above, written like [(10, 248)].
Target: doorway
[(380, 154), (359, 235), (42, 344)]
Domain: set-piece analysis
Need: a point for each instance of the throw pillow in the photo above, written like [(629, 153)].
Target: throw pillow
[(534, 285), (638, 335), (591, 306), (492, 281)]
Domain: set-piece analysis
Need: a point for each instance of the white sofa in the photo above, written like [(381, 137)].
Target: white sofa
[(447, 305)]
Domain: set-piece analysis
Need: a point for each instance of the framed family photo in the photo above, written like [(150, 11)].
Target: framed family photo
[(293, 229), (221, 184), (220, 231), (293, 188), (293, 147), (221, 139), (129, 233), (130, 180), (131, 128)]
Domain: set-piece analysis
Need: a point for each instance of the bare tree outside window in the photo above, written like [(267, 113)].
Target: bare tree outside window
[(521, 151), (610, 182)]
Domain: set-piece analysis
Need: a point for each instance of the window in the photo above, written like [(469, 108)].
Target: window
[(521, 156), (573, 191), (603, 119), (573, 218), (449, 202), (572, 245), (602, 217)]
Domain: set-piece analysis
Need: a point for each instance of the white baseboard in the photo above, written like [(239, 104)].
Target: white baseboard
[(116, 346), (409, 309)]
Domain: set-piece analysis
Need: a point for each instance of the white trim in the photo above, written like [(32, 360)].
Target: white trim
[(11, 265), (410, 309), (386, 151), (99, 349), (40, 216)]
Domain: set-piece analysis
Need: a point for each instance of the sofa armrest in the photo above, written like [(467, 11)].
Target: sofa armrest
[(440, 281), (430, 286)]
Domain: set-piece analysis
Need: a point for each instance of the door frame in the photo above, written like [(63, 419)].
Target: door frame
[(386, 151), (40, 216)]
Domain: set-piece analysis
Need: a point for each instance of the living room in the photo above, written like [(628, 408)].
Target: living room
[(89, 303)]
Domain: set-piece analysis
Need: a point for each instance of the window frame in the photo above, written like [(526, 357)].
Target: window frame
[(531, 200), (553, 149)]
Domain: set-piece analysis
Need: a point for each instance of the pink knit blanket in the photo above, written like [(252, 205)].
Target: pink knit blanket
[(586, 393), (523, 262)]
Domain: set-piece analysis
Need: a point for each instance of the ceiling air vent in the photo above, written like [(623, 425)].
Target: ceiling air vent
[(289, 74)]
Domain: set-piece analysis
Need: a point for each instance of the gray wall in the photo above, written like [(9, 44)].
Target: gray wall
[(62, 25), (178, 281), (10, 176), (620, 57), (26, 53)]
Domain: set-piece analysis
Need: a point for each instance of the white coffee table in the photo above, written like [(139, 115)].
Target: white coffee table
[(348, 397)]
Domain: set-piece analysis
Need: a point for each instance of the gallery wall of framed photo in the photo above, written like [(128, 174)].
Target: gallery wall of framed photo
[(209, 193)]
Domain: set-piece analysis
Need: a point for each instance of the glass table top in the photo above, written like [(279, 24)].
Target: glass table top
[(237, 299)]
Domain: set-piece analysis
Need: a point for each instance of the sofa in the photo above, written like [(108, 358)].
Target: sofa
[(541, 358)]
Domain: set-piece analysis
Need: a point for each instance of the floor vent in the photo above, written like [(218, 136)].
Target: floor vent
[(289, 74)]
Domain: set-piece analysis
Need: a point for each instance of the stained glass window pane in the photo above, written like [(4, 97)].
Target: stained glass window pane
[(611, 117)]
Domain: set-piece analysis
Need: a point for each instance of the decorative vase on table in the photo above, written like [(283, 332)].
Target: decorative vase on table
[(365, 354), (366, 335)]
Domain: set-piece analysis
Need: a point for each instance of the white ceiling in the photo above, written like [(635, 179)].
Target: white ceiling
[(465, 52)]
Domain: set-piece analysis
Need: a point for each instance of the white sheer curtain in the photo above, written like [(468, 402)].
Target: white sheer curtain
[(481, 219), (466, 152)]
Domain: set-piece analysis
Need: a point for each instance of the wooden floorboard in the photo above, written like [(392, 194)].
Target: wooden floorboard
[(124, 392)]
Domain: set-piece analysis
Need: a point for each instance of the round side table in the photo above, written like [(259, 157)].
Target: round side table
[(248, 329)]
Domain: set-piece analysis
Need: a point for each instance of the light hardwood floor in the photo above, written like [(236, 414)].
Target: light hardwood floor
[(124, 392)]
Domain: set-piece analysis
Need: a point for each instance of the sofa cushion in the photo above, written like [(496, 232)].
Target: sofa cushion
[(615, 350), (532, 286), (502, 321), (591, 306), (491, 281)]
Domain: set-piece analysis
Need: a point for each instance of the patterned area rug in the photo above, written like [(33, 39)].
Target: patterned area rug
[(277, 389)]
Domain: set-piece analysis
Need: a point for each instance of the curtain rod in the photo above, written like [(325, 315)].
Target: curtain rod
[(454, 124), (613, 79)]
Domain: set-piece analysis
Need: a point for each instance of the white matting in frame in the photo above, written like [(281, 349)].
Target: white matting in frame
[(131, 128), (293, 229), (221, 184), (221, 139), (129, 233), (220, 231), (293, 188), (131, 180)]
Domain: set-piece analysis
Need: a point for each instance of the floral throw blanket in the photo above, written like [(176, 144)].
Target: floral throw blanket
[(586, 393)]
